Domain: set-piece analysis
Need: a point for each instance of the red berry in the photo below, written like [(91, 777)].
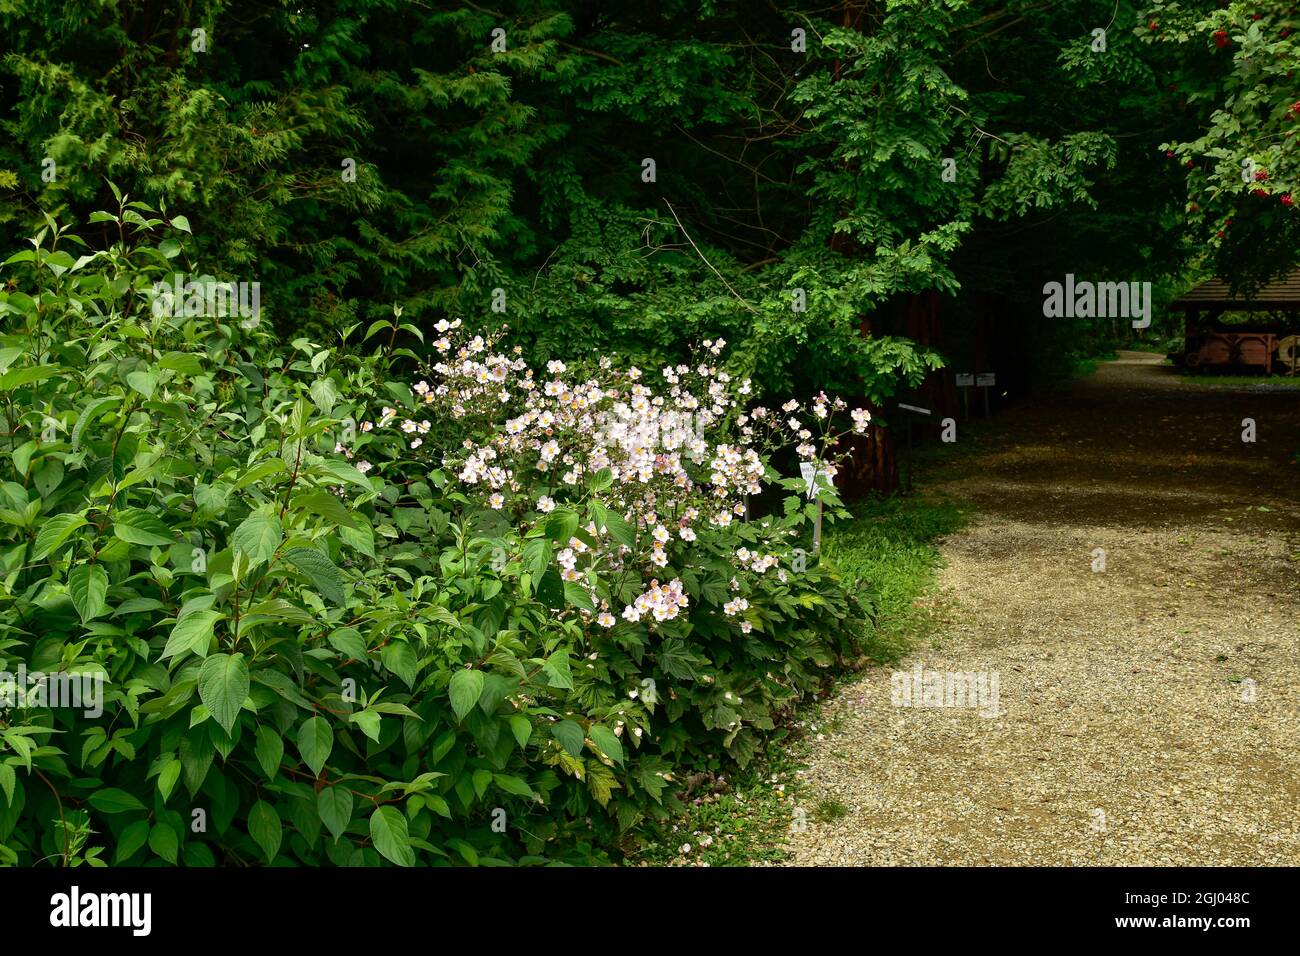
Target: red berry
[(1169, 153), (1221, 38), (1153, 25), (1219, 233), (1286, 199), (1261, 175)]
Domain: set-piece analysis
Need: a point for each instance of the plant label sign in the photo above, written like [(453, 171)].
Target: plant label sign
[(965, 379), (810, 473), (986, 378)]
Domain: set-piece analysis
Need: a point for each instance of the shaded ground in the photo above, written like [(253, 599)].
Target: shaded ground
[(1129, 730)]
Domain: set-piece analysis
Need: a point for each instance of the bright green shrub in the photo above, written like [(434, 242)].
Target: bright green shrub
[(319, 641)]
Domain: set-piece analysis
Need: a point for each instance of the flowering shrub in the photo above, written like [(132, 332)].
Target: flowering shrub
[(487, 617)]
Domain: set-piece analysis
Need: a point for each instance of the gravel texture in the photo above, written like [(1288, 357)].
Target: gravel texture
[(1128, 730)]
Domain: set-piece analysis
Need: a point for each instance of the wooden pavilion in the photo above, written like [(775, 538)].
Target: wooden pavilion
[(1209, 341)]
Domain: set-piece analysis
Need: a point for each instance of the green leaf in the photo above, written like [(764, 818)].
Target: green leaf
[(223, 685), (136, 526), (521, 727), (113, 800), (620, 530), (342, 472), (606, 741), (577, 595), (511, 784), (550, 590), (557, 670), (27, 375), (164, 842), (334, 804), (320, 570), (315, 741), (171, 772), (89, 414), (389, 834), (132, 838), (54, 532), (570, 736), (465, 688), (88, 585), (269, 751), (192, 633), (264, 827), (257, 536)]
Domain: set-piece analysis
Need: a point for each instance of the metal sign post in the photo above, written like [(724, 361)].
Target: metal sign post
[(809, 471), (911, 484), (986, 380), (965, 381)]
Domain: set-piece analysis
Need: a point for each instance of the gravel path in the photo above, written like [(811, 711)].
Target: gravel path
[(1129, 731)]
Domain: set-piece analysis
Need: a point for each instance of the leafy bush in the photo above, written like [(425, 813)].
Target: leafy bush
[(338, 619)]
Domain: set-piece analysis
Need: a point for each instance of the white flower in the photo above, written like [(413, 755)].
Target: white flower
[(545, 505), (496, 501), (605, 619)]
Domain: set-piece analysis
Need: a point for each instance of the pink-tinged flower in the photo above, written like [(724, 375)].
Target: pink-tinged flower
[(605, 619), (496, 502), (686, 534), (545, 504), (861, 419), (364, 466)]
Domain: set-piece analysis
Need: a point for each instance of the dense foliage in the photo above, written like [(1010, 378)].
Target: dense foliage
[(437, 548), (330, 631), (460, 159)]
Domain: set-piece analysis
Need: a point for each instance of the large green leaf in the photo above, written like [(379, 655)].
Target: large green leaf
[(606, 741), (334, 804), (264, 827), (192, 633), (257, 536), (54, 532), (320, 569), (269, 751), (136, 526), (113, 800), (315, 741), (570, 736), (465, 688), (390, 836), (223, 685), (88, 585)]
